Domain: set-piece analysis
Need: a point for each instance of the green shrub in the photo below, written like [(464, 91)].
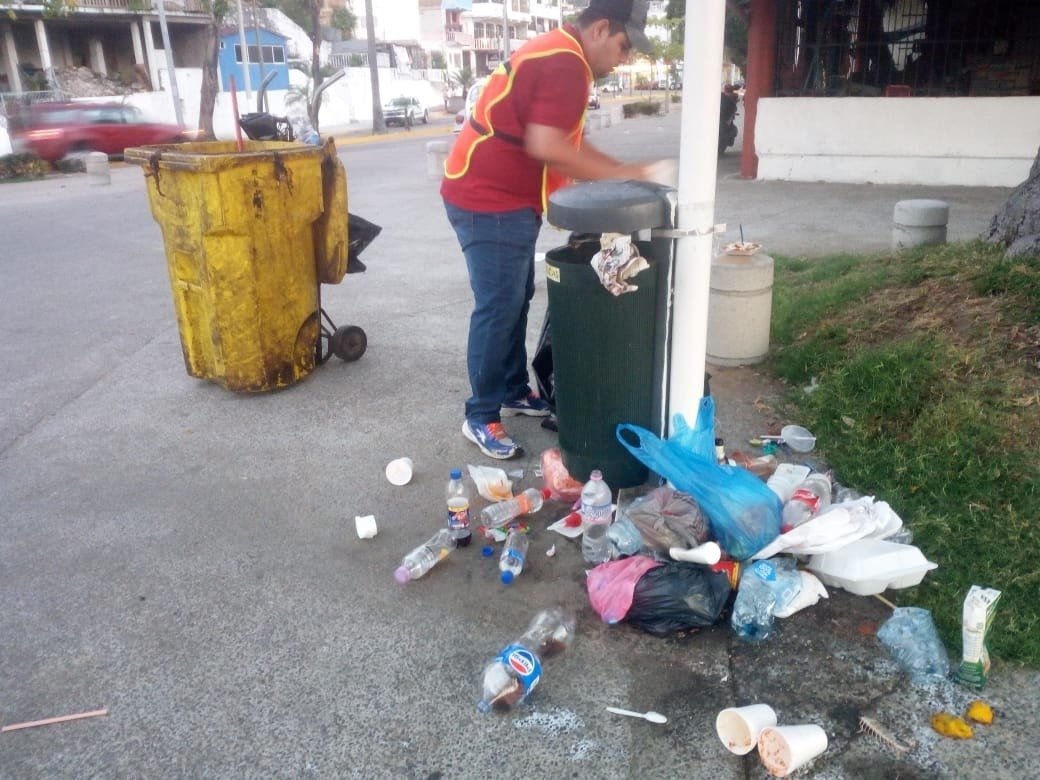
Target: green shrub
[(22, 166), (645, 107)]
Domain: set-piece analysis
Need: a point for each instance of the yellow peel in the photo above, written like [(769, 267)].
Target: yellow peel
[(980, 712), (951, 726)]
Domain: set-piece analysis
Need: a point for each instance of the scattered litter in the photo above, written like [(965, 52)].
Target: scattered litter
[(651, 716), (59, 719), (980, 712), (399, 471), (951, 726), (739, 727), (870, 566), (492, 483), (783, 749), (617, 261), (551, 551), (979, 606), (566, 527), (812, 387), (424, 557), (555, 477), (882, 735), (366, 526), (516, 474), (911, 638)]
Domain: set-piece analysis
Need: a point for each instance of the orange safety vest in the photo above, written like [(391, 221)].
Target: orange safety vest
[(481, 126)]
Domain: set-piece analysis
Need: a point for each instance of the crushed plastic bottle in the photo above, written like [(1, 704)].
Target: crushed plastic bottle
[(424, 557), (517, 670), (526, 503), (766, 588), (807, 501), (514, 555)]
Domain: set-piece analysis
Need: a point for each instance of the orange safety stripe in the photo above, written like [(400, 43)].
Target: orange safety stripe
[(500, 84)]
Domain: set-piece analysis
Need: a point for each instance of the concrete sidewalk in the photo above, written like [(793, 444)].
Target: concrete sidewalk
[(186, 557)]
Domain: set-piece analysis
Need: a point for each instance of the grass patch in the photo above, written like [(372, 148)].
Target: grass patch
[(927, 367)]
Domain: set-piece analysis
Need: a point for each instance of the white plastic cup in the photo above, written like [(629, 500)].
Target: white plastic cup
[(366, 526), (785, 749), (399, 471), (739, 727)]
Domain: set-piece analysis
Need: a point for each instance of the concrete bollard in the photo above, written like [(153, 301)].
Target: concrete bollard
[(97, 168), (740, 307), (919, 222), (436, 154)]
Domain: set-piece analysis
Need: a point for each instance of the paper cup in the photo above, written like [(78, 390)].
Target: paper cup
[(784, 749), (399, 471), (739, 727), (366, 526)]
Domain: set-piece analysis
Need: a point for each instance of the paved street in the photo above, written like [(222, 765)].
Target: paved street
[(186, 557)]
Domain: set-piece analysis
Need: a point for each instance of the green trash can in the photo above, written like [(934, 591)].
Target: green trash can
[(608, 351)]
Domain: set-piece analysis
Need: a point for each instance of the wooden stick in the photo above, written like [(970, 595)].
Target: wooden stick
[(884, 601), (59, 719)]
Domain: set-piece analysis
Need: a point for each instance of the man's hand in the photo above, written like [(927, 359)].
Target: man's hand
[(550, 145)]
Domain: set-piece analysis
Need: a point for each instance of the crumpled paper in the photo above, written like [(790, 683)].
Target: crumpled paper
[(617, 261)]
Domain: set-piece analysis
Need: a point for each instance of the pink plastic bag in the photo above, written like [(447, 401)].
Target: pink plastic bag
[(560, 484), (611, 585)]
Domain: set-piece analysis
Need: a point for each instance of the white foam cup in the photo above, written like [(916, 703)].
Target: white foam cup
[(785, 749), (739, 727), (366, 526), (399, 471)]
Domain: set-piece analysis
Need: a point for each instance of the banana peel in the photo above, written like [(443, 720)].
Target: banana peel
[(980, 712), (951, 726)]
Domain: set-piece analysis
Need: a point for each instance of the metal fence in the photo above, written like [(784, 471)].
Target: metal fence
[(914, 47)]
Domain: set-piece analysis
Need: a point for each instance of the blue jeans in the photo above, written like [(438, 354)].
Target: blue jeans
[(499, 250)]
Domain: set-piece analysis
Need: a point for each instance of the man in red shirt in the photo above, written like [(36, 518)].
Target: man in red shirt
[(523, 141)]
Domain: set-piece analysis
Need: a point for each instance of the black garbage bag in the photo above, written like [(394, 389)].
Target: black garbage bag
[(360, 234), (542, 363), (678, 596), (261, 126)]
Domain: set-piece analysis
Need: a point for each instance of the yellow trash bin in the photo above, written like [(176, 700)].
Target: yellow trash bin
[(249, 235)]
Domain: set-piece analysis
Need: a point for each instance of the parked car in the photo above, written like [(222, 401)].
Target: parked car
[(593, 97), (53, 130), (404, 111), (471, 100)]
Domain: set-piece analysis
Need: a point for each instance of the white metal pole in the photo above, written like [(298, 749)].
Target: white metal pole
[(169, 63), (505, 30), (245, 53), (698, 163)]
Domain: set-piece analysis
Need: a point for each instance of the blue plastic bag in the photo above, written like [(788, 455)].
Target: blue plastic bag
[(743, 512)]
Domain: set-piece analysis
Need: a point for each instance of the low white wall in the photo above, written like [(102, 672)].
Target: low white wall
[(988, 142)]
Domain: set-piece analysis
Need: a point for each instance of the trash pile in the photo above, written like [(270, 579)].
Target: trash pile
[(740, 540)]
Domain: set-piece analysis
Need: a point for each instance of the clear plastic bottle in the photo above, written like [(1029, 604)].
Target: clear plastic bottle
[(457, 496), (765, 588), (813, 495), (514, 555), (424, 557), (595, 517), (526, 503), (515, 672)]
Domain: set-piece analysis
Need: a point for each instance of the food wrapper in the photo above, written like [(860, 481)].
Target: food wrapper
[(617, 261), (492, 483), (979, 607)]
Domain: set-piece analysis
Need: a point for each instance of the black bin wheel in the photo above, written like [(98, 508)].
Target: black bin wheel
[(348, 343)]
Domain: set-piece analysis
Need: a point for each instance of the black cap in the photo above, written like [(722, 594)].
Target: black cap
[(632, 13)]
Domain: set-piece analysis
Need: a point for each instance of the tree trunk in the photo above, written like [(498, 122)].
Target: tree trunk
[(378, 123), (210, 85), (1017, 225)]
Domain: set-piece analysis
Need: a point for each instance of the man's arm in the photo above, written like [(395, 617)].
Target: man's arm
[(550, 145)]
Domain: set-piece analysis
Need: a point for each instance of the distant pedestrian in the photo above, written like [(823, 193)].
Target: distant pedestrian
[(523, 141)]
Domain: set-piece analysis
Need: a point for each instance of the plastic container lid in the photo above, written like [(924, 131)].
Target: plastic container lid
[(611, 206), (869, 566)]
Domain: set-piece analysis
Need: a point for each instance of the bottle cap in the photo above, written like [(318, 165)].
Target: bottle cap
[(546, 493), (487, 551), (456, 474), (402, 575), (507, 578)]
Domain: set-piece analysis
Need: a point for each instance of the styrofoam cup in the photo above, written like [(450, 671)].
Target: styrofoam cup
[(739, 727), (784, 749), (399, 471), (366, 526)]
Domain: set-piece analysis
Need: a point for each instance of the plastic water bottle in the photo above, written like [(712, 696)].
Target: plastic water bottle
[(807, 500), (457, 495), (595, 517), (765, 589), (514, 673), (528, 502), (514, 555), (424, 557)]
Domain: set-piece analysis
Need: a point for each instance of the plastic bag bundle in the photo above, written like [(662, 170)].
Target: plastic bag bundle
[(677, 597), (611, 584), (744, 513), (667, 518)]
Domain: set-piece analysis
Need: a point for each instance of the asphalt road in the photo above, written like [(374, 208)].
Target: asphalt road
[(186, 558)]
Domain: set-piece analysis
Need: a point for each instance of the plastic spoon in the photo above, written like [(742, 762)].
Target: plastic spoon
[(653, 717)]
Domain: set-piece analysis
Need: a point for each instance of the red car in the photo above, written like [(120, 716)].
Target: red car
[(53, 130)]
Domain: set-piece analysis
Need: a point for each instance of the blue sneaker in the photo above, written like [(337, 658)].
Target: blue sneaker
[(492, 439), (532, 406)]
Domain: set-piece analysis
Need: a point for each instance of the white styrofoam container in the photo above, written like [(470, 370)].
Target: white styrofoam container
[(869, 566)]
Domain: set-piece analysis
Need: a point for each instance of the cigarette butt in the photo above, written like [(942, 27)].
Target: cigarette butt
[(59, 719)]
